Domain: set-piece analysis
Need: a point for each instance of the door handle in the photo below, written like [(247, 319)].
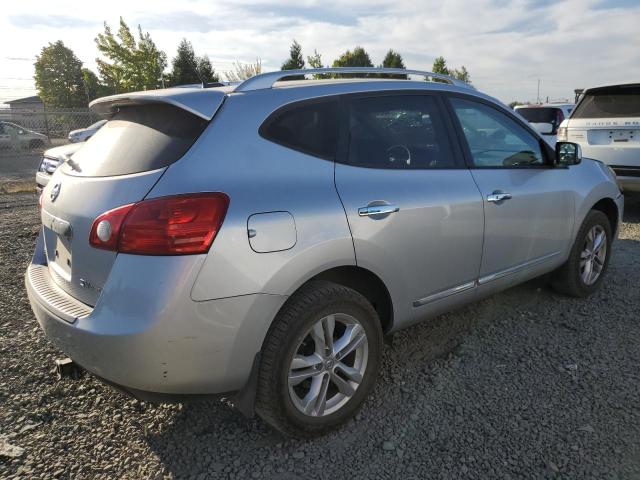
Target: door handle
[(497, 197), (377, 210)]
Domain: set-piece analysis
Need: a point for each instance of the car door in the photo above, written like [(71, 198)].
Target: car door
[(528, 204), (413, 208)]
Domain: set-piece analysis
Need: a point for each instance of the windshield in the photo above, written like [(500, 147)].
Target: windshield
[(610, 102)]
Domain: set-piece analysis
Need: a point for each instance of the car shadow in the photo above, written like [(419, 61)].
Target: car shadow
[(632, 208), (214, 439)]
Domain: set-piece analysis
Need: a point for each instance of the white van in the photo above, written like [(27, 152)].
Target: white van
[(606, 124)]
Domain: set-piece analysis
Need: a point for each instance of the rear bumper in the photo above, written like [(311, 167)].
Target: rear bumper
[(146, 334)]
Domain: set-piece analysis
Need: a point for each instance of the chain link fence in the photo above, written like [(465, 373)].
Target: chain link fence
[(24, 131)]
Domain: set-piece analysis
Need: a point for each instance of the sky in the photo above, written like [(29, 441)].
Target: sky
[(507, 45)]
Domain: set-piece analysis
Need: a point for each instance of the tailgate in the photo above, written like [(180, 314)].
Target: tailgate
[(69, 206)]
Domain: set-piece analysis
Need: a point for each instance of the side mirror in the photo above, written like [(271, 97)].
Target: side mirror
[(568, 153), (543, 128)]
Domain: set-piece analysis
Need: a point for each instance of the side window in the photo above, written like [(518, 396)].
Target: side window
[(398, 132), (495, 140), (311, 128)]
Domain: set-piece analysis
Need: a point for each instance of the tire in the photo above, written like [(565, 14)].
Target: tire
[(281, 402), (570, 278)]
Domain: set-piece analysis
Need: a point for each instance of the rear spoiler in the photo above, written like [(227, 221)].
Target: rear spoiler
[(203, 103)]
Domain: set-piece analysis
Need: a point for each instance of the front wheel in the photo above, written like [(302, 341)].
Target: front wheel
[(584, 271), (319, 361)]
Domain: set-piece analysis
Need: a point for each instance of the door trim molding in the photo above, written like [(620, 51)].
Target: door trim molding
[(484, 280), (517, 268), (445, 293)]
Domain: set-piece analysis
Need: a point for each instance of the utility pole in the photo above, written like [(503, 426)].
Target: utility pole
[(538, 95)]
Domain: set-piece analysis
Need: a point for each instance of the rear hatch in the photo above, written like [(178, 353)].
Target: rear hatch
[(119, 165), (543, 115), (606, 123)]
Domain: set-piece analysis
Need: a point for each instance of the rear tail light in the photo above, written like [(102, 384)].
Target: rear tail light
[(562, 134), (177, 225)]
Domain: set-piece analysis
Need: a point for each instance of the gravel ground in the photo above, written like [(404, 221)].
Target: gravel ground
[(525, 384)]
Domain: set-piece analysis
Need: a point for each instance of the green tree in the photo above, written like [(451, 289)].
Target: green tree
[(462, 74), (58, 77), (130, 65), (206, 70), (440, 66), (295, 61), (358, 58), (315, 61), (187, 68), (393, 60), (92, 87)]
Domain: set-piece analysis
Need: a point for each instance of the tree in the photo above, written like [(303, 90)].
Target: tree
[(358, 58), (242, 71), (206, 70), (462, 74), (295, 61), (315, 61), (440, 66), (393, 60), (187, 68), (92, 87), (58, 77), (131, 65)]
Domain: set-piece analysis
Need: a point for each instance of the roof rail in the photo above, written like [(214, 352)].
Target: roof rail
[(266, 80)]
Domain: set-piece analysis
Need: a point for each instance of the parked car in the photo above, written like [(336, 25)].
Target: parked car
[(606, 124), (51, 160), (18, 137), (546, 118), (84, 134), (263, 249)]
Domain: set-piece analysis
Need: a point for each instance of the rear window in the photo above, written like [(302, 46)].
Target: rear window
[(610, 103), (137, 139), (310, 128), (551, 115)]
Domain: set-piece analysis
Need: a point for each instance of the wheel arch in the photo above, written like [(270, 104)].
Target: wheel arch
[(610, 209)]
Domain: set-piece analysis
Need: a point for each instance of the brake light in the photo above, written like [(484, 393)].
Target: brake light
[(176, 225)]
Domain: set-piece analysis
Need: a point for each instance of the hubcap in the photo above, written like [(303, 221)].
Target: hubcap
[(328, 365), (594, 253)]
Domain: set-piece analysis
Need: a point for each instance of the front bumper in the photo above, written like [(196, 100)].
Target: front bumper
[(146, 334)]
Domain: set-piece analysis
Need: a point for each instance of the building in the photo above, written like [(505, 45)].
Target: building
[(28, 112)]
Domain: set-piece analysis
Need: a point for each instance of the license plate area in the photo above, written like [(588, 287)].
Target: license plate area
[(621, 136)]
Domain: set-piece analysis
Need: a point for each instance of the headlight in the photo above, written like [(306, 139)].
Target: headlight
[(563, 134), (49, 165)]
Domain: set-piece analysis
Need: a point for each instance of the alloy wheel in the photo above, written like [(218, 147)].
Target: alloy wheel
[(328, 365), (593, 255)]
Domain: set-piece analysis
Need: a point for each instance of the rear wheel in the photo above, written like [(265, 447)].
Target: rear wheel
[(319, 361), (583, 272)]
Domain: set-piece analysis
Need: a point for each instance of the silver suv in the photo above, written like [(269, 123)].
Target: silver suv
[(259, 240)]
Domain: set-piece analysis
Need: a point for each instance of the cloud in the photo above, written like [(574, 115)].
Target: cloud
[(505, 44), (54, 21)]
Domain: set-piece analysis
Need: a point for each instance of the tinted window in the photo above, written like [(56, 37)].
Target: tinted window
[(609, 102), (494, 139), (310, 128), (405, 132), (554, 116), (137, 139)]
